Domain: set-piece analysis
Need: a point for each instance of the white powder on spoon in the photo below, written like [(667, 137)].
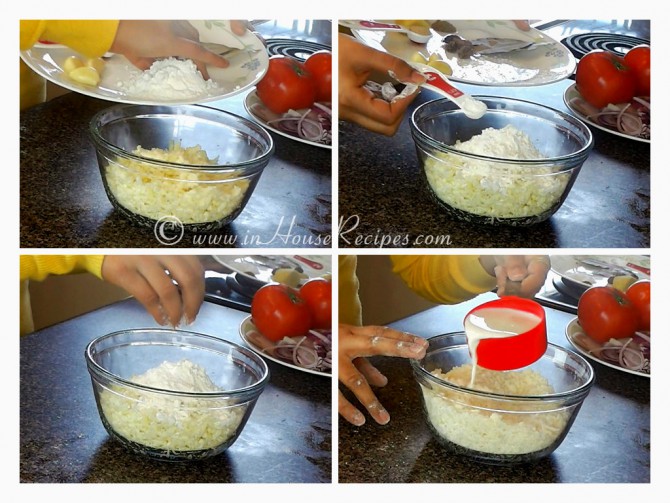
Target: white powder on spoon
[(168, 79)]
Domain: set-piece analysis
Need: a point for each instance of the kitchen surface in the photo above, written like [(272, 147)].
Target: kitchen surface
[(62, 439), (383, 197), (611, 430), (63, 202)]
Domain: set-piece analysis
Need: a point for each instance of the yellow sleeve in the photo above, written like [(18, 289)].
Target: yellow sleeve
[(38, 267), (443, 279), (349, 303), (91, 38)]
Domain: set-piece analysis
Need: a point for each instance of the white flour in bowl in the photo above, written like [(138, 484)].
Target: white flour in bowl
[(172, 422), (496, 189), (168, 79)]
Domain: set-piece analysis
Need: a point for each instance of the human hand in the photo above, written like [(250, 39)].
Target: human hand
[(358, 104), (142, 42), (149, 278), (521, 275), (358, 374)]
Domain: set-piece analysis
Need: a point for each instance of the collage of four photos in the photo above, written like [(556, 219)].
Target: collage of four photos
[(211, 209)]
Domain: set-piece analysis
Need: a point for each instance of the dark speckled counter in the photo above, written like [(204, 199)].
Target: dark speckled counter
[(286, 440), (609, 441)]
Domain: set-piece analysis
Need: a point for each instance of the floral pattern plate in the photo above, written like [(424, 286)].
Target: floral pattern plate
[(597, 269), (247, 56), (544, 62), (260, 268)]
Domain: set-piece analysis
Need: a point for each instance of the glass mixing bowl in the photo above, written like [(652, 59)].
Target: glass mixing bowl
[(191, 163), (174, 395), (497, 420), (498, 189)]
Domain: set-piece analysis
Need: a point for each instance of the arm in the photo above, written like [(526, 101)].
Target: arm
[(449, 279), (38, 267), (91, 38), (444, 279), (149, 278)]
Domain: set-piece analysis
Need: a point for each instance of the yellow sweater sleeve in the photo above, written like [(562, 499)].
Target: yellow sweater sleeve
[(38, 267), (91, 38), (443, 279), (349, 304)]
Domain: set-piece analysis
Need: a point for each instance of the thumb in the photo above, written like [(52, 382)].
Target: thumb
[(516, 268)]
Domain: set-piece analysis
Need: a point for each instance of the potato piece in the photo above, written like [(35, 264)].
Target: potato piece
[(622, 283), (96, 63), (418, 57), (85, 75), (289, 277), (441, 66), (71, 64)]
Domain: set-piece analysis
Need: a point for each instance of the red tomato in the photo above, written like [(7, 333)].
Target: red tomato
[(318, 293), (320, 65), (278, 311), (639, 294), (603, 78), (638, 59), (286, 85), (606, 313)]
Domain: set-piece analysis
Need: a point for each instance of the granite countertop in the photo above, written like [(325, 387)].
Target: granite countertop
[(611, 431), (288, 437), (382, 195)]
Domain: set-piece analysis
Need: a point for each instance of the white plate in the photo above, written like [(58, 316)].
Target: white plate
[(247, 66), (259, 268), (543, 63), (257, 110), (570, 267), (248, 325), (571, 92), (574, 327)]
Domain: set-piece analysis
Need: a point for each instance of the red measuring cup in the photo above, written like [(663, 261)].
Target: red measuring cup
[(515, 351)]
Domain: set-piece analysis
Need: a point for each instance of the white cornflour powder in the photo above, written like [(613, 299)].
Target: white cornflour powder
[(496, 189), (167, 79), (168, 422)]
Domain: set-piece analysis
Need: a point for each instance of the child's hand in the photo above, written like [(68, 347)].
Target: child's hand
[(357, 104), (141, 42), (358, 374), (149, 279)]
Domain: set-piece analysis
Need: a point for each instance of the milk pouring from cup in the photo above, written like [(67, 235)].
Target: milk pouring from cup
[(505, 334)]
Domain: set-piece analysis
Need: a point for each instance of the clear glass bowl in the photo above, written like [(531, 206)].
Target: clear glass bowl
[(160, 416), (501, 428), (211, 171), (499, 190)]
